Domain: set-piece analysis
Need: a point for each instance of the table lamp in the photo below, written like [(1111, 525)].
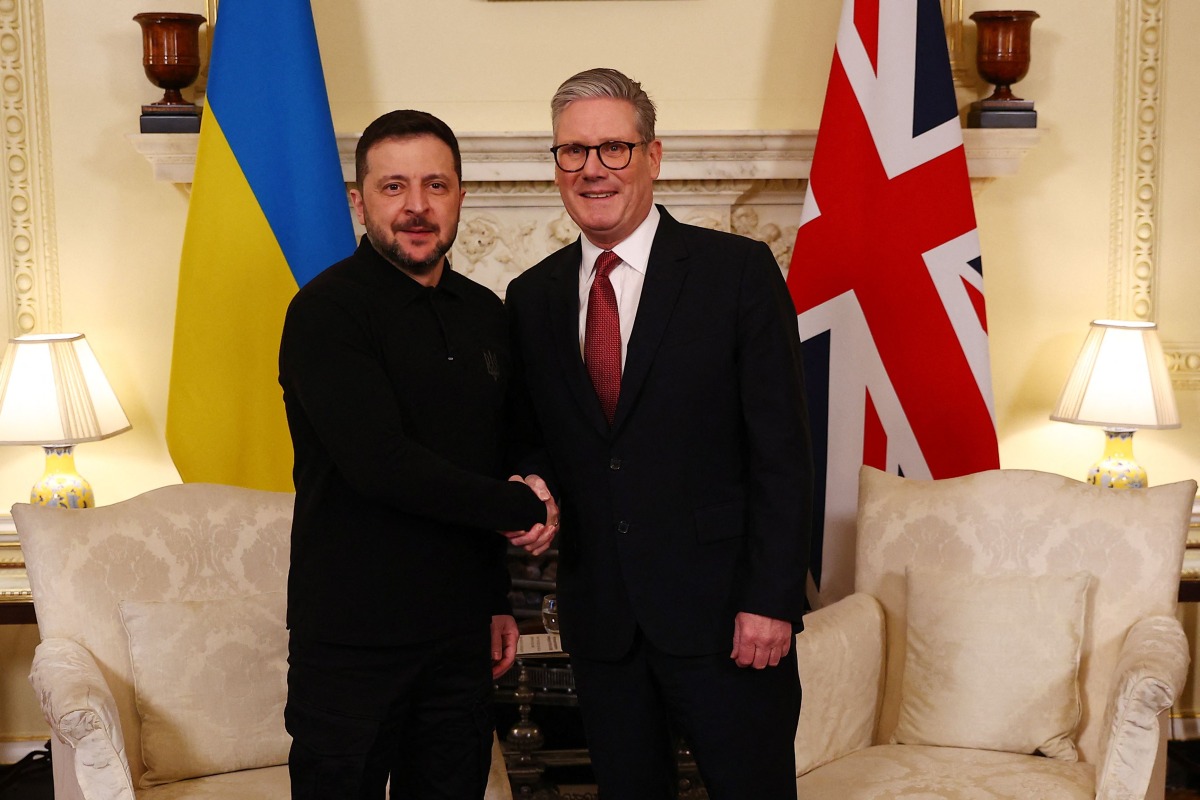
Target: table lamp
[(1119, 382), (53, 393)]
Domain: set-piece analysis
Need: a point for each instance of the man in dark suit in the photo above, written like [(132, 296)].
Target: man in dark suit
[(661, 387)]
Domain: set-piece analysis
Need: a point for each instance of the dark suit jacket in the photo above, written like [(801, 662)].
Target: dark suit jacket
[(696, 503)]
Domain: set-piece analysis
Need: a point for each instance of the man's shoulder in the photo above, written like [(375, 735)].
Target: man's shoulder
[(707, 250), (470, 289), (329, 282), (342, 285), (542, 270), (713, 236)]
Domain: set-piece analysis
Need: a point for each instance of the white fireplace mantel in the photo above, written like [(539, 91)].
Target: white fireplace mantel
[(708, 155), (751, 182)]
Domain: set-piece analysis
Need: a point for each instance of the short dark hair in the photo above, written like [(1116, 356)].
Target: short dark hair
[(403, 124)]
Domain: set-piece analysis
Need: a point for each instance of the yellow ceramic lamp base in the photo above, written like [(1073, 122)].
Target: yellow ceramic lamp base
[(1117, 469), (61, 485)]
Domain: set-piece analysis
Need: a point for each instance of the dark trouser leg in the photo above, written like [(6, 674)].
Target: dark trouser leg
[(740, 723), (446, 750), (358, 714), (338, 700), (628, 739)]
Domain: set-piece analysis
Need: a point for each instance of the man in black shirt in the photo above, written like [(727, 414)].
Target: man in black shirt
[(394, 371)]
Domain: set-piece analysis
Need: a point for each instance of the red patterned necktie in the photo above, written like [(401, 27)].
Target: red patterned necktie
[(602, 336)]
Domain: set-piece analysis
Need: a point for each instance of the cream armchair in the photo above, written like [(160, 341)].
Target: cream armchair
[(162, 665), (1011, 636)]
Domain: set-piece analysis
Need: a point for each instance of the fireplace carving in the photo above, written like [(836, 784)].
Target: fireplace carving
[(752, 182)]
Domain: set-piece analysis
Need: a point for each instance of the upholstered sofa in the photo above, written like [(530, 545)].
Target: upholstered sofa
[(162, 664), (1011, 637)]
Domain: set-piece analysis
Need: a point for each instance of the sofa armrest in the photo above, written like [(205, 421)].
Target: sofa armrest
[(82, 713), (840, 657), (1151, 671)]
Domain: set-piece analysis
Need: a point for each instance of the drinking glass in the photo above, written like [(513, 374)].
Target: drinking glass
[(550, 613)]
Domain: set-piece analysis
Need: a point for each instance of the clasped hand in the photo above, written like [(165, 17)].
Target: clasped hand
[(537, 539)]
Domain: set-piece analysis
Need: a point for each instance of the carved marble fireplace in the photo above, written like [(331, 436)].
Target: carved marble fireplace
[(751, 182)]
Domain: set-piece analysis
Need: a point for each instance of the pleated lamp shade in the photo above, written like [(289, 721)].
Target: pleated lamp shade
[(53, 393), (1120, 380)]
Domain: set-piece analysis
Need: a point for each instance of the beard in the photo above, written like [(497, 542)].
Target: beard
[(386, 245)]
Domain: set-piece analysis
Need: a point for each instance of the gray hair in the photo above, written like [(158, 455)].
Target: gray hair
[(604, 82)]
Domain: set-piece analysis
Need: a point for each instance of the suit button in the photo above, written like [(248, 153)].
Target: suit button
[(622, 527), (614, 463)]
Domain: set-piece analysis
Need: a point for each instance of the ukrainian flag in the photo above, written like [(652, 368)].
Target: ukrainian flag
[(268, 211)]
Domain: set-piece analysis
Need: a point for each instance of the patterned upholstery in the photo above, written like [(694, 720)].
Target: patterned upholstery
[(1134, 657), (193, 542)]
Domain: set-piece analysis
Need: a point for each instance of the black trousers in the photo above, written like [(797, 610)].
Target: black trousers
[(420, 714), (739, 722)]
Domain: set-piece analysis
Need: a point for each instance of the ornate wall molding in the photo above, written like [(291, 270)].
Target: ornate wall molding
[(1139, 111), (752, 182), (30, 257), (498, 158), (1183, 361), (1137, 156)]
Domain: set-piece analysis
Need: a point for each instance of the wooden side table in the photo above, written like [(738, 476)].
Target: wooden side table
[(16, 602), (542, 678), (1189, 581), (16, 608), (1189, 588)]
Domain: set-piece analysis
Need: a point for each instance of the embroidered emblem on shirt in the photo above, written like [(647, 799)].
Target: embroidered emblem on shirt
[(492, 363)]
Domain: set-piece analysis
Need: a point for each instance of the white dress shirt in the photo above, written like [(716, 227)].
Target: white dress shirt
[(626, 278)]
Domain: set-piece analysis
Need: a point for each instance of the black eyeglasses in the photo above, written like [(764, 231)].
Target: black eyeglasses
[(572, 157)]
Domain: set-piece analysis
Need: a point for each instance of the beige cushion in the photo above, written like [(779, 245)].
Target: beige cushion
[(272, 783), (191, 541), (210, 681), (839, 656), (913, 772), (1005, 521), (992, 661)]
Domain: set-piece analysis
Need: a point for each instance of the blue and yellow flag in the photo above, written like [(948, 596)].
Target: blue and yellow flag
[(268, 211)]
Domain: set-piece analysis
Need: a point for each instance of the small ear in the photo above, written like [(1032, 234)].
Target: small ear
[(654, 151), (356, 199)]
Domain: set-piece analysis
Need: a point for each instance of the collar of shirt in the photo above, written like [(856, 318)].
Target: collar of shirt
[(627, 277), (391, 278), (634, 250)]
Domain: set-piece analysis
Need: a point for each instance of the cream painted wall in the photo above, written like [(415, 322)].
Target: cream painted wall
[(1046, 240), (710, 64)]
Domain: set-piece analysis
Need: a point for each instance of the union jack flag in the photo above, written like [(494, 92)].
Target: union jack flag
[(887, 277)]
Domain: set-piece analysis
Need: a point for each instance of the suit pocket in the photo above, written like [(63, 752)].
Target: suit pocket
[(720, 522)]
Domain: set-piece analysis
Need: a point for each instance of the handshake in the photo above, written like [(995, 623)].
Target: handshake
[(537, 539)]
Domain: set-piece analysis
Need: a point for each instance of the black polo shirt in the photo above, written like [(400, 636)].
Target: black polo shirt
[(395, 395)]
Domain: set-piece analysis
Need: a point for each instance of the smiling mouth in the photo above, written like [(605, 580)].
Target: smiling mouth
[(598, 195)]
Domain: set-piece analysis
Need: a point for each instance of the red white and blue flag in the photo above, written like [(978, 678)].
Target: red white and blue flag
[(887, 277)]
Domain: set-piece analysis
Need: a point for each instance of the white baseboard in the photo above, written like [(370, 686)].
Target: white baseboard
[(12, 752)]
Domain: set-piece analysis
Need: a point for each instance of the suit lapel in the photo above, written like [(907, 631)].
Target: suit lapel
[(564, 325), (665, 275)]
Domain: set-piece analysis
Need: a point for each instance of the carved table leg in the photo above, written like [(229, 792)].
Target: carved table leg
[(525, 738)]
